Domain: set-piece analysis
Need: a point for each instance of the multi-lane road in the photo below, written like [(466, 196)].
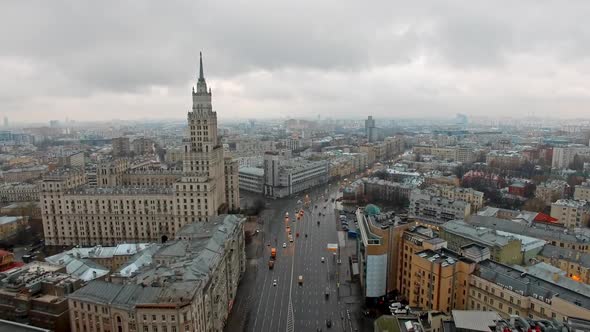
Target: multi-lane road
[(290, 306)]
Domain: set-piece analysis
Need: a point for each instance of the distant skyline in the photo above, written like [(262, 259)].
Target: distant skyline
[(267, 59)]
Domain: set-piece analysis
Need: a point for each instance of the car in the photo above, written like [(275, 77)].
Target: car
[(290, 239), (328, 322), (274, 282), (284, 244), (323, 260), (395, 305), (318, 330)]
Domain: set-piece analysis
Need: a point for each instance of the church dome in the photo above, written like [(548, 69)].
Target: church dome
[(372, 210)]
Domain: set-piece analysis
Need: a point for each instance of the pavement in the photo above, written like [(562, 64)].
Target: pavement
[(289, 306)]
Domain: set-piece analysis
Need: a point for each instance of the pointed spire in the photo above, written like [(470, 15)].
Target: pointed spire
[(201, 76)]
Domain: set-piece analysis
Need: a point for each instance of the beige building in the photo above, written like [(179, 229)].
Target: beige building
[(429, 207), (550, 191), (10, 225), (504, 158), (439, 280), (571, 213), (18, 192), (582, 191), (120, 146), (134, 203), (190, 286), (576, 264), (380, 242), (24, 174), (509, 291), (469, 195), (36, 294)]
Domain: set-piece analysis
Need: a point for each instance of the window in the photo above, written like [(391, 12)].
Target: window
[(153, 317), (163, 318)]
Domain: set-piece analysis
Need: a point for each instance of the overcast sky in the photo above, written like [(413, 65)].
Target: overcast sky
[(132, 60)]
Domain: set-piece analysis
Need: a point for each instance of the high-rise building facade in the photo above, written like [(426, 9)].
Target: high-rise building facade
[(370, 129), (131, 205)]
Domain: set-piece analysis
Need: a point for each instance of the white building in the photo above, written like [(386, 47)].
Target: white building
[(252, 179), (563, 156), (427, 207), (287, 176)]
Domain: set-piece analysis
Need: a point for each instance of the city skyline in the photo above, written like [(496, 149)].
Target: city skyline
[(395, 61)]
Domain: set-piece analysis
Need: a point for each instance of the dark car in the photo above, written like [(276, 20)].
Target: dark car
[(328, 322)]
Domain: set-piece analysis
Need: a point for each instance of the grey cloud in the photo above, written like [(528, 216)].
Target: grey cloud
[(328, 55)]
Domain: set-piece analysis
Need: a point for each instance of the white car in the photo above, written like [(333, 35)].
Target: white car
[(274, 282), (284, 244), (323, 259)]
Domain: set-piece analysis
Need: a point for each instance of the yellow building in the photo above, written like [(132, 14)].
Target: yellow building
[(439, 280), (501, 288), (575, 263), (415, 239), (10, 225)]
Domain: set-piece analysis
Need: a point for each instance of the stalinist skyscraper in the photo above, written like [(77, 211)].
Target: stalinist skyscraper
[(131, 204)]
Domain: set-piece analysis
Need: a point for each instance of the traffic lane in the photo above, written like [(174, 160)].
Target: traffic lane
[(265, 278)]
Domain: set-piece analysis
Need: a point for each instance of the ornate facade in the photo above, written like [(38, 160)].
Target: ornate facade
[(131, 204)]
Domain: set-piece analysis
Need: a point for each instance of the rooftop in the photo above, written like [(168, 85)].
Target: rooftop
[(528, 284), (256, 171), (121, 190), (570, 255), (9, 220), (473, 320), (572, 203), (540, 231), (443, 256)]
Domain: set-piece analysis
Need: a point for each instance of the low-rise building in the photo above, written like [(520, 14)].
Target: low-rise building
[(555, 235), (427, 207), (111, 258), (582, 191), (18, 192), (252, 179), (571, 213), (550, 191), (35, 294), (187, 284), (25, 174), (10, 225), (287, 176), (576, 264), (505, 247), (469, 195), (504, 158), (511, 291)]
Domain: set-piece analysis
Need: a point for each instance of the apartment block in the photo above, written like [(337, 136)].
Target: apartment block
[(552, 234), (189, 284), (428, 207), (508, 248), (287, 176), (550, 191), (509, 291), (378, 248), (252, 179), (18, 192), (36, 294), (582, 191), (576, 264), (439, 280), (571, 213)]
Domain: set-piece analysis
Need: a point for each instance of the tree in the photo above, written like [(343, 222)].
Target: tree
[(534, 205)]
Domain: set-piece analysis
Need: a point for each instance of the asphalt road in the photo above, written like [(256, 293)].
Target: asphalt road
[(289, 306)]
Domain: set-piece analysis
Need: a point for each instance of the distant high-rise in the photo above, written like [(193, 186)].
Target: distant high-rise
[(370, 129), (5, 121)]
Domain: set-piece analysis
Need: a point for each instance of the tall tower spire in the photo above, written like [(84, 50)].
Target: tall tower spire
[(201, 84), (201, 76)]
